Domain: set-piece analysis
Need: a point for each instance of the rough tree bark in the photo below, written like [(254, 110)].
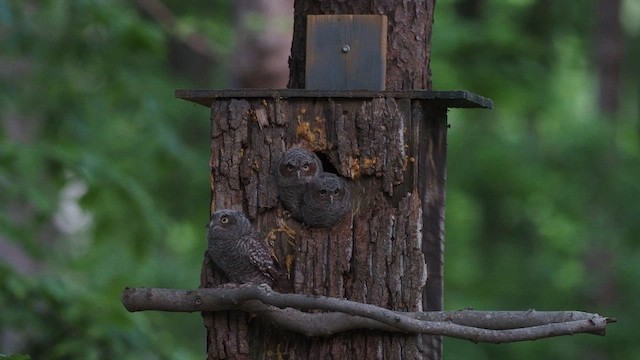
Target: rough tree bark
[(392, 149)]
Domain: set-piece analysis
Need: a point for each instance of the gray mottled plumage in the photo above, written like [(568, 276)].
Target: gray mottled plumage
[(235, 248), (295, 169), (325, 201)]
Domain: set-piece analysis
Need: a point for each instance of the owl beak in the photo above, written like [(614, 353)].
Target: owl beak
[(298, 173), (331, 198)]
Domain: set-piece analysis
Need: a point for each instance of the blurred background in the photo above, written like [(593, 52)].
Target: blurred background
[(104, 174)]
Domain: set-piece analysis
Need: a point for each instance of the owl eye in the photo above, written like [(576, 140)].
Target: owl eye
[(322, 192), (290, 167), (305, 167), (336, 192), (224, 219)]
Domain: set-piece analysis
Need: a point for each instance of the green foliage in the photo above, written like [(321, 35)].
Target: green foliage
[(15, 357), (89, 108), (542, 191)]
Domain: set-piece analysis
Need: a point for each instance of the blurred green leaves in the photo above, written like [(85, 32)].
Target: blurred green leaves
[(15, 357), (541, 205), (88, 100)]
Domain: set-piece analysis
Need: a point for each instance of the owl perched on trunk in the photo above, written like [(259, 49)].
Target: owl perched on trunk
[(235, 248), (295, 169), (325, 200)]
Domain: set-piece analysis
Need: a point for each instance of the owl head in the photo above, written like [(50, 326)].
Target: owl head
[(226, 223), (297, 166), (328, 188)]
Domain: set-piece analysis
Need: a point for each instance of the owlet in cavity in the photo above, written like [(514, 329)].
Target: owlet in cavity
[(325, 201), (296, 168), (235, 248)]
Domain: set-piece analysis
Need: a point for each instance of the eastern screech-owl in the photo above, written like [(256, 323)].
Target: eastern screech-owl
[(235, 248), (295, 169), (325, 200)]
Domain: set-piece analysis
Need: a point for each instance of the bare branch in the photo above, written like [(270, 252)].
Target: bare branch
[(501, 320), (492, 327)]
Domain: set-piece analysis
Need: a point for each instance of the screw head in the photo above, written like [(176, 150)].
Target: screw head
[(346, 48)]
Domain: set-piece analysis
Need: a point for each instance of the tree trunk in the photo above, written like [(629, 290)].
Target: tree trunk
[(392, 150), (608, 39), (263, 30)]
